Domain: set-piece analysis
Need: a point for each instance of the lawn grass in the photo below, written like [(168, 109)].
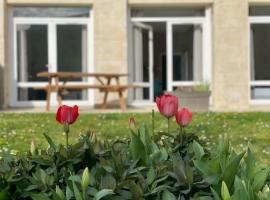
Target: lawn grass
[(17, 130)]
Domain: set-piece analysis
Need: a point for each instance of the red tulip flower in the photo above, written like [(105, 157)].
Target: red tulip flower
[(167, 105), (66, 114), (183, 117)]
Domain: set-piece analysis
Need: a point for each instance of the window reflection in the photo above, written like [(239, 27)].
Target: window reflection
[(50, 12)]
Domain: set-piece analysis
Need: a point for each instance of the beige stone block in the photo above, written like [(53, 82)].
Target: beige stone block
[(110, 40), (230, 47)]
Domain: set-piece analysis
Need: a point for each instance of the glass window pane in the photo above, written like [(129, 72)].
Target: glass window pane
[(75, 95), (50, 12), (140, 54), (259, 10), (260, 92), (72, 48), (29, 94), (141, 94), (260, 46), (166, 12), (32, 51), (187, 53)]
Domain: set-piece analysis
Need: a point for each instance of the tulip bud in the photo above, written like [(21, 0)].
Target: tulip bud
[(132, 123), (93, 137), (85, 179), (33, 147), (59, 193)]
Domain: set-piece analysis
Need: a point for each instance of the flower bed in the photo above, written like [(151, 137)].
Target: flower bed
[(159, 165)]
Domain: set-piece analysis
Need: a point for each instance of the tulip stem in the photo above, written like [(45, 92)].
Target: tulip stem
[(67, 139), (168, 125), (181, 130), (66, 130), (153, 123), (84, 193)]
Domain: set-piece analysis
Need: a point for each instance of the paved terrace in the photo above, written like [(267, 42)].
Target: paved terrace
[(83, 109)]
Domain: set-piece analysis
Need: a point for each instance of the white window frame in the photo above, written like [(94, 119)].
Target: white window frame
[(52, 58), (206, 22), (142, 84), (251, 83)]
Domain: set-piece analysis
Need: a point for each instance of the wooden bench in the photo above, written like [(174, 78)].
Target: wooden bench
[(61, 89)]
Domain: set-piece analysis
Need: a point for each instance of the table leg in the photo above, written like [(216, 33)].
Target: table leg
[(48, 96), (57, 90), (122, 101), (104, 104), (59, 98)]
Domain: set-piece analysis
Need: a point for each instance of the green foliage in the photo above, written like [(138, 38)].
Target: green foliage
[(146, 166), (204, 87), (231, 179)]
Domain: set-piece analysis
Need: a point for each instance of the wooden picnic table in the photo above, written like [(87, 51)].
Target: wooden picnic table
[(104, 81)]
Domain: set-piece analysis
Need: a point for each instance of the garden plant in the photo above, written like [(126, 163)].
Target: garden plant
[(171, 165)]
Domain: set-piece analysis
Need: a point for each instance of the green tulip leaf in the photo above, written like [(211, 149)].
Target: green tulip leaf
[(260, 179), (103, 193), (215, 194), (166, 195), (198, 150), (231, 169), (50, 141), (151, 175), (76, 191), (108, 182), (225, 192), (39, 197), (137, 148)]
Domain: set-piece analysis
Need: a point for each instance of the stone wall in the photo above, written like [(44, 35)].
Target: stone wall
[(230, 55), (110, 40)]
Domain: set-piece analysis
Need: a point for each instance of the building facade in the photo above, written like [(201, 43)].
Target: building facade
[(161, 44)]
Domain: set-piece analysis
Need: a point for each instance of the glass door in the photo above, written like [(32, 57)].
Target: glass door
[(31, 58), (72, 54), (49, 44), (142, 72), (185, 49)]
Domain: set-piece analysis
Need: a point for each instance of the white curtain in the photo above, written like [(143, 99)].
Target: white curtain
[(197, 53), (138, 60)]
